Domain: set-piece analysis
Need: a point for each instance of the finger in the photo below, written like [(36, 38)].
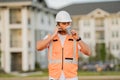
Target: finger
[(58, 26), (73, 32)]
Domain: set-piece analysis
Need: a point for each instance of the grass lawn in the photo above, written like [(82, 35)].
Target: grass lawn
[(80, 73), (6, 75), (84, 73), (106, 73)]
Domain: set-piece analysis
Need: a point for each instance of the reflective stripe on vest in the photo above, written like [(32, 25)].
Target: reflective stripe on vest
[(55, 61), (74, 61), (50, 52)]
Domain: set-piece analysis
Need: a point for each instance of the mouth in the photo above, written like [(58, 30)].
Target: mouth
[(61, 31)]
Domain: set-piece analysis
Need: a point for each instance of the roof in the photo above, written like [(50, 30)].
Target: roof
[(85, 8), (13, 0), (41, 4)]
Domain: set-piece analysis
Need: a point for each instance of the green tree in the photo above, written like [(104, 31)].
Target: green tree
[(103, 52), (100, 52)]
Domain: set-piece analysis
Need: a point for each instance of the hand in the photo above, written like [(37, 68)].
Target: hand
[(74, 34), (55, 32)]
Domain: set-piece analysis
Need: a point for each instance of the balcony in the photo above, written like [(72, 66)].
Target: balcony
[(99, 24), (15, 44), (99, 27), (100, 37), (15, 16), (15, 38)]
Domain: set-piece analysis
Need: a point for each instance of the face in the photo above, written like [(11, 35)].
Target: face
[(63, 25)]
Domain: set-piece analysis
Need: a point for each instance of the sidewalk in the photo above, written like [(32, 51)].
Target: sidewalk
[(80, 78), (99, 77), (24, 76)]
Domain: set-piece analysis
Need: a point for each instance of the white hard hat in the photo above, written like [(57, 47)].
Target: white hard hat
[(63, 16)]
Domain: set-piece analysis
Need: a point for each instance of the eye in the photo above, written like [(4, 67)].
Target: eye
[(64, 23)]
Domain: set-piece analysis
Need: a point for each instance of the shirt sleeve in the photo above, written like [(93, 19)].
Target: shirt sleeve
[(46, 38), (79, 47)]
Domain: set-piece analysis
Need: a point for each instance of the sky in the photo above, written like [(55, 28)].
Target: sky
[(56, 4)]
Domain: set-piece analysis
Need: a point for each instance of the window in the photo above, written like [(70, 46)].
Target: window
[(29, 17), (86, 23), (15, 38), (42, 19), (99, 22), (117, 46), (49, 20), (15, 16), (114, 21), (115, 34), (87, 35), (29, 44), (29, 38), (100, 35), (29, 20)]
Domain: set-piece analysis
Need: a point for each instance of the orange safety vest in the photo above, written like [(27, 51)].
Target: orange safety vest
[(63, 58)]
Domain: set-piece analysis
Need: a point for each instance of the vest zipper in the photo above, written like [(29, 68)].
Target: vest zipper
[(62, 58)]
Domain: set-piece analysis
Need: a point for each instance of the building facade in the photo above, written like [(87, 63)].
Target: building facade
[(98, 23), (101, 27), (22, 24)]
